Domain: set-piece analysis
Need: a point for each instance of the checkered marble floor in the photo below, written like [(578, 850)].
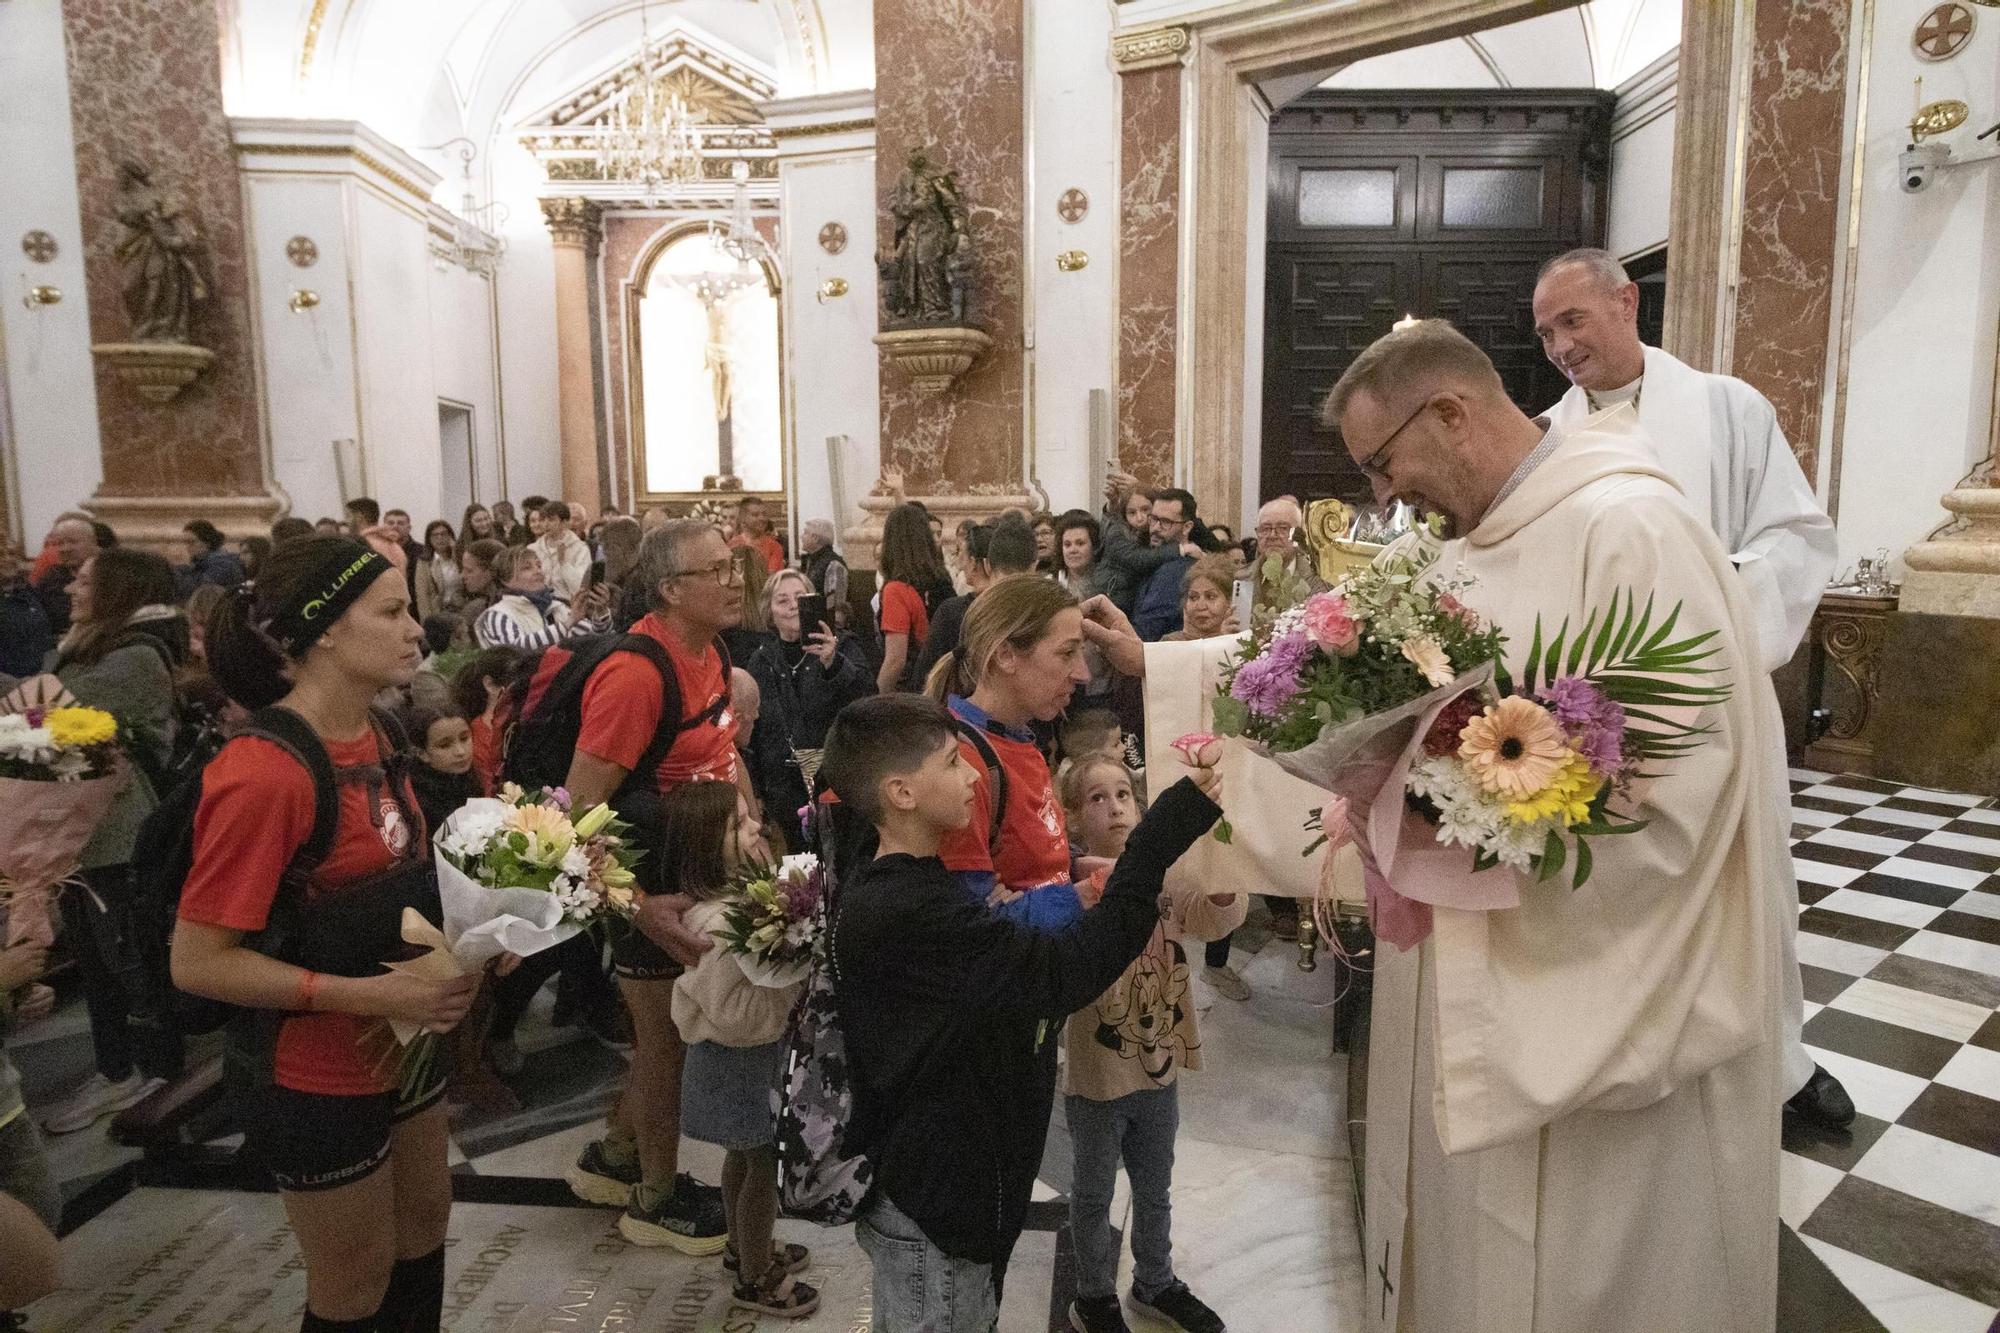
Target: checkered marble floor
[(1899, 947)]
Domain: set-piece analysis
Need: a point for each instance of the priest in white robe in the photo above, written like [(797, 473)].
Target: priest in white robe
[(1718, 438), (1573, 1120)]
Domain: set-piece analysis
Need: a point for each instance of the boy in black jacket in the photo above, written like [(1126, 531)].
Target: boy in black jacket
[(944, 1007)]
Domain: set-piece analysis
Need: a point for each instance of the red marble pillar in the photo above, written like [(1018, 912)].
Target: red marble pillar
[(1791, 219), (1148, 269), (949, 77), (145, 83)]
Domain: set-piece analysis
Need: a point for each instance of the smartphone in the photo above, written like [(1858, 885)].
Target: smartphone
[(812, 614), (1243, 596)]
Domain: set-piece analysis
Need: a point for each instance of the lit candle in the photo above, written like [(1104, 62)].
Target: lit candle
[(1408, 321)]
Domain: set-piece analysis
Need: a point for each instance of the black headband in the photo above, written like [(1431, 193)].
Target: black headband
[(335, 587)]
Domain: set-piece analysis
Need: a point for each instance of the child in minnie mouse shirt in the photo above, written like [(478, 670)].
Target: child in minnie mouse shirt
[(1125, 1052)]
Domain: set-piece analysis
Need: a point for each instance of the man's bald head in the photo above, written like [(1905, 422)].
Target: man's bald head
[(1277, 520), (75, 540), (1587, 317), (1411, 363), (746, 698)]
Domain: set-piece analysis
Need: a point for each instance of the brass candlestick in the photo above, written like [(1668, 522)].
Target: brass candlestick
[(1308, 943)]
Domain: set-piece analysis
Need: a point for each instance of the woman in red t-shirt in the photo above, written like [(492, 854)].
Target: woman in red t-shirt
[(914, 581), (326, 627)]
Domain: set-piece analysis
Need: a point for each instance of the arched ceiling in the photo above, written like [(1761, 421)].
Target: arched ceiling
[(1596, 45), (421, 73)]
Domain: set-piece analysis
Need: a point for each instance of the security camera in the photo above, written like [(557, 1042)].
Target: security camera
[(1917, 167)]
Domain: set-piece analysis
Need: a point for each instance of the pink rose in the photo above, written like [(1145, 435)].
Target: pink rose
[(1331, 625), (1200, 749), (1459, 611)]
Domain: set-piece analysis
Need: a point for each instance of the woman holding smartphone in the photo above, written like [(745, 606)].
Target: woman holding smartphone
[(806, 673)]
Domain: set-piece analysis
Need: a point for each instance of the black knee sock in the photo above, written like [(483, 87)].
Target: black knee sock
[(415, 1303), (312, 1323)]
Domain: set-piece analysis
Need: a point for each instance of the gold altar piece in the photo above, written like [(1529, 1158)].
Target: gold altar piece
[(1335, 557), (1937, 118)]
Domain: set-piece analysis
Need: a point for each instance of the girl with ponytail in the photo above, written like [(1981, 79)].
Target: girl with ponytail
[(308, 845)]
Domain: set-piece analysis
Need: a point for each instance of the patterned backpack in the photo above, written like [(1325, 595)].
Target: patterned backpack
[(818, 1179)]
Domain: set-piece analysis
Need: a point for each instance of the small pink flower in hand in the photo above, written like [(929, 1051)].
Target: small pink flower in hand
[(1200, 749)]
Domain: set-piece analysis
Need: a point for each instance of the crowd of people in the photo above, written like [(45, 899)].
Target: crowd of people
[(1014, 638)]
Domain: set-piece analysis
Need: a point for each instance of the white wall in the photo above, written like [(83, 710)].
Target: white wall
[(831, 367), (1071, 319), (464, 368), (51, 394), (398, 386), (1927, 286), (1642, 158)]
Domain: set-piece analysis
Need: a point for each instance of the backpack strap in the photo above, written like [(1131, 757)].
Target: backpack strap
[(672, 723), (996, 775), (294, 735)]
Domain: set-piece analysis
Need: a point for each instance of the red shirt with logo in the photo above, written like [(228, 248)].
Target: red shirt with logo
[(256, 812), (1034, 835), (621, 711)]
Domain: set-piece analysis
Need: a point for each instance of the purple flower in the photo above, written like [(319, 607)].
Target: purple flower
[(1594, 724), (1289, 654), (559, 797), (1265, 685)]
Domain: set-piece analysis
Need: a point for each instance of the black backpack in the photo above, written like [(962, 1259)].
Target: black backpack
[(545, 716), (163, 857)]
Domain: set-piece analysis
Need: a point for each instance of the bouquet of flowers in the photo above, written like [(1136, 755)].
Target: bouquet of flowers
[(60, 768), (1391, 683), (771, 920), (516, 874)]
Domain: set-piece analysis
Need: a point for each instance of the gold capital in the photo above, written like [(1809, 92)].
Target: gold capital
[(573, 220), (1154, 46)]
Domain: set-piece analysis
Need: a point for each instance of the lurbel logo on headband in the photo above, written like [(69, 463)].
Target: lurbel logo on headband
[(311, 610)]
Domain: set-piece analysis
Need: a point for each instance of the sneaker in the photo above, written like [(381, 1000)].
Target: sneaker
[(1097, 1314), (688, 1220), (97, 1098), (779, 1294), (1227, 982), (505, 1056), (1176, 1305), (787, 1258), (598, 1178)]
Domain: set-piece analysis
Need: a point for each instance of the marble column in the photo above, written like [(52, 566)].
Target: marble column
[(1149, 250), (577, 226), (145, 85), (950, 78), (1791, 218)]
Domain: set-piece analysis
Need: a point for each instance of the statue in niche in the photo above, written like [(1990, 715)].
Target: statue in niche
[(925, 276), (163, 285)]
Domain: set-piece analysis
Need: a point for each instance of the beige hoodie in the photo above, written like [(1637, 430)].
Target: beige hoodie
[(716, 1001)]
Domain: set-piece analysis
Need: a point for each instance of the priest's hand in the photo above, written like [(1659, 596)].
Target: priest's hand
[(1106, 626)]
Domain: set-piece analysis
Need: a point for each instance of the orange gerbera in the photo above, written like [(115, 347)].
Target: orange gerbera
[(1513, 750)]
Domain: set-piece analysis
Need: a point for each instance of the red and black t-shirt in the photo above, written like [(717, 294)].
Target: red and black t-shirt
[(1034, 835), (621, 711), (256, 812)]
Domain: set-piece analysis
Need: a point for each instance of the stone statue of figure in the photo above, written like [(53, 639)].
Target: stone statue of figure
[(163, 283), (924, 277)]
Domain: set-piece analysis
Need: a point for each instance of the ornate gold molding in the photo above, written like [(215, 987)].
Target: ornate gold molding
[(314, 21), (814, 131), (381, 168), (1145, 50), (572, 220)]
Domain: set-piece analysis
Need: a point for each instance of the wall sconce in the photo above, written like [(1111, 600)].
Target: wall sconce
[(1069, 261), (830, 290), (40, 295), (303, 300)]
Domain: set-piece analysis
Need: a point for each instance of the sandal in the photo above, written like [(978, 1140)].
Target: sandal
[(785, 1258), (778, 1294)]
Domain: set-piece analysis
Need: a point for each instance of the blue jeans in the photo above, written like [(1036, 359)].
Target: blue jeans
[(1138, 1128), (918, 1287)]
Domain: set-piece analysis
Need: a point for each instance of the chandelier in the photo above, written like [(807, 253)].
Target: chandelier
[(735, 240), (475, 243), (650, 138)]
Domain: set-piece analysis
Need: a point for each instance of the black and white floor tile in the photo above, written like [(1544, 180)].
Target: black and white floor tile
[(1900, 941), (1899, 945)]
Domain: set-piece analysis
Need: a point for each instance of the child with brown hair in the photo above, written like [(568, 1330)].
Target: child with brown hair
[(1124, 1055), (733, 1029)]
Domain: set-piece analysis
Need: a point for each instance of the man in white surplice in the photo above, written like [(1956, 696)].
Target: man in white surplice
[(1719, 440), (1572, 1119)]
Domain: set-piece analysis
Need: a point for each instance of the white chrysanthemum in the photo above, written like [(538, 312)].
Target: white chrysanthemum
[(473, 829), (803, 862), (576, 862), (800, 933)]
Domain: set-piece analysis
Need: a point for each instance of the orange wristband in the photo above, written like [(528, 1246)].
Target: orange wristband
[(308, 984)]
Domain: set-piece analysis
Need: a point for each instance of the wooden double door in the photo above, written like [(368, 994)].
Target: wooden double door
[(1435, 204)]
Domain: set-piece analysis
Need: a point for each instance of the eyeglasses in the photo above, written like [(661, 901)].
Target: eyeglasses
[(1372, 465), (724, 573)]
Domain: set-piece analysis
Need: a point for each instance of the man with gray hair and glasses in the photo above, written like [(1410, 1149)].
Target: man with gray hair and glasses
[(1719, 440)]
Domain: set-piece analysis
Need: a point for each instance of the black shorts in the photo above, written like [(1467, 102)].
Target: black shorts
[(314, 1141), (637, 958)]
